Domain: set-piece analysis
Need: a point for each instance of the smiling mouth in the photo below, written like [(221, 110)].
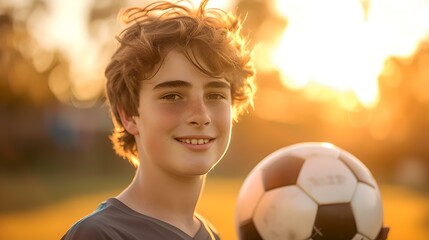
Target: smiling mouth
[(194, 141)]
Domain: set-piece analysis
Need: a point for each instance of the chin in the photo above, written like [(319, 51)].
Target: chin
[(202, 169)]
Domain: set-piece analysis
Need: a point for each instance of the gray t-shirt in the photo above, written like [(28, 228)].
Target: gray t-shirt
[(114, 220)]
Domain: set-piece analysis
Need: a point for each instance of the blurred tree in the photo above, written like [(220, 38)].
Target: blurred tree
[(25, 95), (23, 89), (21, 83), (39, 124)]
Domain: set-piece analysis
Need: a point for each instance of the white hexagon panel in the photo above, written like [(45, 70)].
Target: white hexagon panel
[(309, 149), (285, 213), (327, 180), (249, 195), (368, 211)]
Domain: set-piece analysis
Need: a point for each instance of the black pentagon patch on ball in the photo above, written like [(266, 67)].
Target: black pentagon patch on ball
[(248, 231), (334, 221), (283, 172)]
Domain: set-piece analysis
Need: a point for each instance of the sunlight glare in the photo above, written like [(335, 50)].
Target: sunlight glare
[(399, 25), (337, 44)]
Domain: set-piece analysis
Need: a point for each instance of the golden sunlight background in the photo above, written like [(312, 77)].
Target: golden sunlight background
[(344, 44), (351, 72)]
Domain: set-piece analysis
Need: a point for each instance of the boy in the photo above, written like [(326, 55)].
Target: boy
[(175, 84)]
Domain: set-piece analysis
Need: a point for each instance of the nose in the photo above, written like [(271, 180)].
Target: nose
[(199, 113)]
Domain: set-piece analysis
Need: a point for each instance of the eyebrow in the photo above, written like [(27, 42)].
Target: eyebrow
[(173, 84), (184, 84), (218, 84)]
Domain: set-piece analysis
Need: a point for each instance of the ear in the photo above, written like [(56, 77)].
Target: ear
[(128, 122)]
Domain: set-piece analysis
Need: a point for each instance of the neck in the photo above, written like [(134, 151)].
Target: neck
[(166, 197)]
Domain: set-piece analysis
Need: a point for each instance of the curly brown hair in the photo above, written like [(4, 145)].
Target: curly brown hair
[(209, 35)]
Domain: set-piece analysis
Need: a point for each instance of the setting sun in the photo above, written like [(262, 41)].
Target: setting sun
[(343, 45)]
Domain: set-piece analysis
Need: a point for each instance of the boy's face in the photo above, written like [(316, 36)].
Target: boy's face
[(185, 118)]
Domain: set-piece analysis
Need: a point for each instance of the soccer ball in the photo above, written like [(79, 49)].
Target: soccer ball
[(309, 191)]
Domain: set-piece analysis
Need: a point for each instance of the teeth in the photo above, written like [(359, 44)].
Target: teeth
[(195, 141)]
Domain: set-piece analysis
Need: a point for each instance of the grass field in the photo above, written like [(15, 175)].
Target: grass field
[(406, 212)]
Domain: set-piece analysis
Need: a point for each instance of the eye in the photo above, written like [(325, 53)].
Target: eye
[(172, 97), (215, 96)]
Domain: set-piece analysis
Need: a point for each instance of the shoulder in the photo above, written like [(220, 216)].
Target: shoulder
[(94, 226), (114, 220), (86, 229)]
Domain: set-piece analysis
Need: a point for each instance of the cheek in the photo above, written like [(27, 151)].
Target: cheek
[(159, 124), (224, 125), (223, 118), (167, 116)]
